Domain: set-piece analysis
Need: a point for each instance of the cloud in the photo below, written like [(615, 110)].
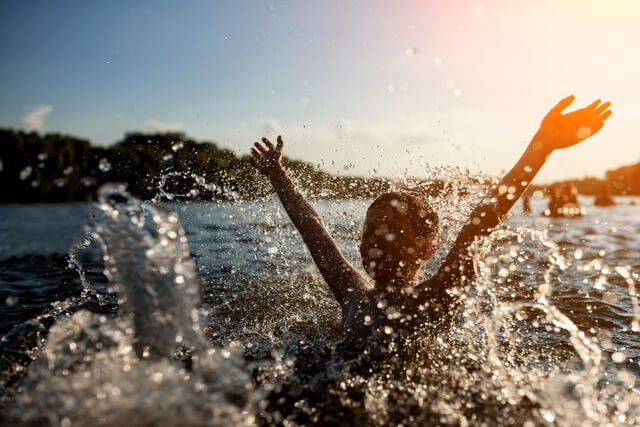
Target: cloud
[(344, 129), (423, 139), (271, 127), (34, 119), (158, 126)]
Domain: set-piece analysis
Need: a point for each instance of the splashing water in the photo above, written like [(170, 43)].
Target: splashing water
[(146, 249), (272, 352), (199, 182), (120, 371)]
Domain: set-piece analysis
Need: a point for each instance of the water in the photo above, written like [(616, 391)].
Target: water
[(213, 314)]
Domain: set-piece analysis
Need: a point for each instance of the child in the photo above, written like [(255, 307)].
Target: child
[(401, 233)]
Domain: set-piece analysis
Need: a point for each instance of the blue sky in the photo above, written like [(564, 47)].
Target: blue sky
[(352, 85)]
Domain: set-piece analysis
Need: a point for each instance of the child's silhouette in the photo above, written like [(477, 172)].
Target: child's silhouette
[(401, 233)]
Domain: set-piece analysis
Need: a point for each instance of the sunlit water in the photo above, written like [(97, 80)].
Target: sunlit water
[(213, 314)]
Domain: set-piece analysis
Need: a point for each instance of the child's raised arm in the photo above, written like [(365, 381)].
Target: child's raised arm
[(556, 131), (341, 277)]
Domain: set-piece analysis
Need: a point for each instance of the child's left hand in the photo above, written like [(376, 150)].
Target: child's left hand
[(267, 160)]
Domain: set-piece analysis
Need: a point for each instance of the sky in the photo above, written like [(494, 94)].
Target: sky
[(357, 87)]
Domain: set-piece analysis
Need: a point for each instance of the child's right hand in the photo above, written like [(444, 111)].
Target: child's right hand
[(267, 160), (564, 130)]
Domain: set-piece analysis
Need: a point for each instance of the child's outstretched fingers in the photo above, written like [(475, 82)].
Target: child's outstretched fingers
[(601, 109), (267, 143), (560, 130), (560, 106), (280, 144), (260, 148), (266, 158)]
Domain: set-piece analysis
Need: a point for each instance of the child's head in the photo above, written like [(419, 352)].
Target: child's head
[(400, 234)]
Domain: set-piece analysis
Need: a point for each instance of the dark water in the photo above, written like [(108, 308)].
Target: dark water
[(546, 335)]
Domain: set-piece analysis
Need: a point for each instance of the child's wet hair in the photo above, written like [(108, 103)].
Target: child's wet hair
[(422, 217)]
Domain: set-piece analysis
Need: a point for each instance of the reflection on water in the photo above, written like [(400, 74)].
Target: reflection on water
[(249, 333)]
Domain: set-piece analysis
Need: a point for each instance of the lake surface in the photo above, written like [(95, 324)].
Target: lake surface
[(546, 334)]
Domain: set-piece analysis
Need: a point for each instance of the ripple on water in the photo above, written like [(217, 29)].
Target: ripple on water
[(274, 355)]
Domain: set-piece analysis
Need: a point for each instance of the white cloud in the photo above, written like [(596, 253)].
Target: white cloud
[(345, 130), (271, 127), (34, 119), (158, 126), (423, 138)]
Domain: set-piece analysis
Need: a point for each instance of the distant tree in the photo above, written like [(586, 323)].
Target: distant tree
[(56, 167)]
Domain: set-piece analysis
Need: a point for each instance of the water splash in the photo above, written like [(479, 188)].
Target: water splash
[(122, 371), (217, 190), (512, 356), (147, 262)]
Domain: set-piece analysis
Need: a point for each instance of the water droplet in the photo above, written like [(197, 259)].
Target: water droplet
[(601, 282), (43, 156), (411, 51), (583, 132), (26, 173), (548, 416), (618, 357), (167, 157), (104, 165), (68, 170), (177, 146), (11, 301), (457, 92), (60, 182)]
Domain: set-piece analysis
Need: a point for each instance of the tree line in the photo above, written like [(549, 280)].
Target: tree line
[(55, 168)]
